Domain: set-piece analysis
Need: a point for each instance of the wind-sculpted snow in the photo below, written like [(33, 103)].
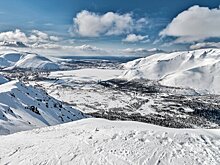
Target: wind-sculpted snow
[(25, 107), (196, 69), (98, 141), (23, 60)]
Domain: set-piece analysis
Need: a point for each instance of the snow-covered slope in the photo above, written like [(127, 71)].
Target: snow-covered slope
[(98, 141), (3, 80), (198, 69), (37, 62), (23, 60), (25, 107)]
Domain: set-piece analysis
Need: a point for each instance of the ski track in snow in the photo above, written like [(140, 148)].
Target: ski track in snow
[(98, 141)]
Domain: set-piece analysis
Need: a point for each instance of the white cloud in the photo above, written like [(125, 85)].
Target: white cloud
[(11, 36), (89, 24), (134, 38), (46, 46), (43, 42), (88, 48), (134, 50), (205, 45), (81, 48), (195, 24), (34, 37), (39, 36), (54, 38)]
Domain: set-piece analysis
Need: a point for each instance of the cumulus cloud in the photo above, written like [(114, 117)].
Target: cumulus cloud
[(39, 36), (134, 38), (11, 36), (46, 46), (205, 45), (90, 24), (195, 24), (54, 38), (35, 37), (88, 48)]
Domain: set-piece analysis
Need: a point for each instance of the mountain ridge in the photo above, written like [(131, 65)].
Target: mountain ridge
[(24, 60), (24, 107), (197, 69)]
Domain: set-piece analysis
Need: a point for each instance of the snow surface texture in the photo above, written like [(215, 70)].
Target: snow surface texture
[(197, 69), (25, 107), (22, 60), (98, 141)]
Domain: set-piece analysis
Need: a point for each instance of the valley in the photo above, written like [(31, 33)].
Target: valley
[(94, 100)]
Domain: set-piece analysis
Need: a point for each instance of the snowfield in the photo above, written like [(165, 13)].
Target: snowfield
[(10, 60), (99, 141), (86, 74), (25, 107), (197, 69)]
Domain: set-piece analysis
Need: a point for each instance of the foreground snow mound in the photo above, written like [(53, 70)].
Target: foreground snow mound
[(98, 141), (24, 60), (25, 107), (196, 69)]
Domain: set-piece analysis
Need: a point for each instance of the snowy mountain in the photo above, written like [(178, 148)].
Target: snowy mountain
[(14, 44), (25, 107), (198, 69), (98, 141), (23, 60)]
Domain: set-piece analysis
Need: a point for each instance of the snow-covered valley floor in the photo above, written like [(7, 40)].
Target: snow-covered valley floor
[(99, 141), (99, 93)]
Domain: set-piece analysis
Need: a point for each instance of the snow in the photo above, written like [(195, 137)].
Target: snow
[(80, 89), (98, 141), (87, 74), (25, 107), (197, 69), (3, 80), (37, 62), (12, 59)]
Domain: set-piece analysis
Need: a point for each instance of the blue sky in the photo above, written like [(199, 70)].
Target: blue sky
[(98, 25)]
